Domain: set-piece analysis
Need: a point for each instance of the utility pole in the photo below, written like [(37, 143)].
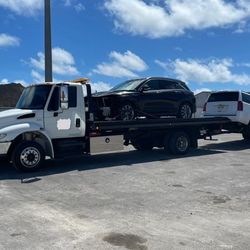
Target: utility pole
[(47, 37)]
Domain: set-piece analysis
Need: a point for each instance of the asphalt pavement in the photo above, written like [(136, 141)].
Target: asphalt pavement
[(132, 200)]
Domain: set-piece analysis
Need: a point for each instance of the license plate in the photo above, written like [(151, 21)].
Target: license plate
[(222, 108)]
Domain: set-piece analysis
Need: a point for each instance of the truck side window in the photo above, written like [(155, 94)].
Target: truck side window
[(54, 100), (72, 97)]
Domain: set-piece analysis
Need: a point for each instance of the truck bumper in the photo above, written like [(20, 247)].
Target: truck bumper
[(4, 147)]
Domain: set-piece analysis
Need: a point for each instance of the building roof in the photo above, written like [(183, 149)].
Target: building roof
[(9, 94)]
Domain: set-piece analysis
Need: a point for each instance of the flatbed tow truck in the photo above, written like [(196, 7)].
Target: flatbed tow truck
[(56, 120)]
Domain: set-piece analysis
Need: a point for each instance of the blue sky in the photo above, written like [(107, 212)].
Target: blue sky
[(205, 43)]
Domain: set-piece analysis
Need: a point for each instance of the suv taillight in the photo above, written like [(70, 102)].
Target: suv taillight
[(240, 106), (205, 107)]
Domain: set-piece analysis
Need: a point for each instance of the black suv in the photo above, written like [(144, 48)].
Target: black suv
[(149, 97)]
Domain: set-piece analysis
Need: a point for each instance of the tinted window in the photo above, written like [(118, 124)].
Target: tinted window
[(152, 85), (169, 85), (184, 85), (54, 100), (245, 98), (72, 97), (224, 97)]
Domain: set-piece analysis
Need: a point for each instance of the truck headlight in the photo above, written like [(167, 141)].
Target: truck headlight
[(2, 136)]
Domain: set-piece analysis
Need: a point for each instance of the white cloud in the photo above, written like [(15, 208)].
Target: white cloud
[(6, 81), (197, 91), (174, 17), (121, 65), (247, 65), (208, 71), (77, 5), (67, 2), (163, 65), (113, 70), (38, 77), (22, 7), (24, 83), (32, 7), (63, 62), (8, 40)]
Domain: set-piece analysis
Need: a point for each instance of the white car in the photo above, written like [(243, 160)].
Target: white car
[(234, 105)]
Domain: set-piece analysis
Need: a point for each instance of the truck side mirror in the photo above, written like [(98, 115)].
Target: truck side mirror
[(64, 97)]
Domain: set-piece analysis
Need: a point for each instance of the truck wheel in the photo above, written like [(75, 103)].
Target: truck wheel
[(179, 143), (28, 156), (246, 133), (246, 136)]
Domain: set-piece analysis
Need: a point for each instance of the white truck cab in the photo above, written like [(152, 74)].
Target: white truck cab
[(44, 113)]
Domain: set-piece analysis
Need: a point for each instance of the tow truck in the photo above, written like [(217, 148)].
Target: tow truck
[(57, 120)]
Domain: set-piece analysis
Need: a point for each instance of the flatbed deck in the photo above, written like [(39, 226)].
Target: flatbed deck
[(164, 123)]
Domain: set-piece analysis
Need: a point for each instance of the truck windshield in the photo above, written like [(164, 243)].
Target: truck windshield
[(34, 97), (128, 85)]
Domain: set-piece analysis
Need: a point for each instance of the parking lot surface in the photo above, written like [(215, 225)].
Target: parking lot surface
[(132, 200)]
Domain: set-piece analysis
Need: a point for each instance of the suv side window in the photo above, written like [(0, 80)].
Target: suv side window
[(170, 85), (152, 85), (72, 97), (245, 98), (54, 100)]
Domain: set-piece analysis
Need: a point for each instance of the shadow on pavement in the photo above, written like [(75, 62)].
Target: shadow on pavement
[(112, 160), (238, 145)]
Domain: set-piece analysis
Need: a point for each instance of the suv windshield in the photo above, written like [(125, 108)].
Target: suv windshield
[(34, 97), (128, 85)]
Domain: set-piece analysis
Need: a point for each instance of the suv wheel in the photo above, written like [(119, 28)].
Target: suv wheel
[(127, 112), (185, 111)]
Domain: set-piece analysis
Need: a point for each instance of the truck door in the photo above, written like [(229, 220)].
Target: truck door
[(64, 115)]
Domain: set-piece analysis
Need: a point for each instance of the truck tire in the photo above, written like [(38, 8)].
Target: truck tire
[(28, 156), (246, 136), (178, 143), (246, 133)]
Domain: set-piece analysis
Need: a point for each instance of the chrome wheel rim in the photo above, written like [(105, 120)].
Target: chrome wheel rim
[(182, 143), (30, 157), (186, 111), (127, 113)]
